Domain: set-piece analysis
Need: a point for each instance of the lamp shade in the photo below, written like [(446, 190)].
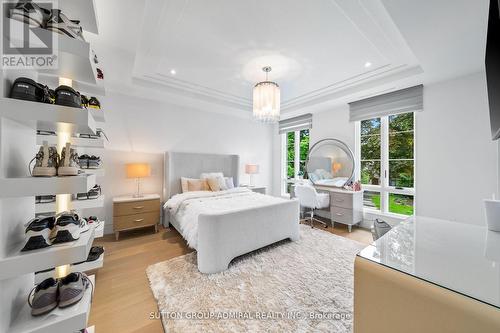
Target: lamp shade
[(251, 169), (138, 170), (266, 101)]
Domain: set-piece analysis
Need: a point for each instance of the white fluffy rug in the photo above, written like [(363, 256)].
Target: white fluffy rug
[(304, 286)]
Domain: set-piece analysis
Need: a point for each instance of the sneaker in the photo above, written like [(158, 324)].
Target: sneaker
[(45, 198), (42, 132), (72, 288), (68, 96), (93, 220), (58, 22), (46, 162), (67, 228), (82, 196), (94, 103), (83, 161), (95, 192), (100, 74), (69, 164), (94, 162), (30, 13), (94, 254), (45, 297), (29, 90), (38, 233), (85, 101)]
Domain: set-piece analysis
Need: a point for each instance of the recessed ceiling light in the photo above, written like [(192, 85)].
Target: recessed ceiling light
[(173, 71), (368, 64)]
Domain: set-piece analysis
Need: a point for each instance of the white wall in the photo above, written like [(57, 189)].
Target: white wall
[(456, 160)]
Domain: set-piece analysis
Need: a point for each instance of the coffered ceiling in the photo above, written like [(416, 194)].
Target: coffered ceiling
[(320, 50)]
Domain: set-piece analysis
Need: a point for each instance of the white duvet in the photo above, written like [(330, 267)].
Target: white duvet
[(186, 207)]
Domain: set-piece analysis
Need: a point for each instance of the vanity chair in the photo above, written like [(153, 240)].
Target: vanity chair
[(311, 199)]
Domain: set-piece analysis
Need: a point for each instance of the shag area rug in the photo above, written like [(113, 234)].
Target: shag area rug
[(303, 286)]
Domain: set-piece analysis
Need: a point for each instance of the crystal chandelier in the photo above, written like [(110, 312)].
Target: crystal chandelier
[(266, 100)]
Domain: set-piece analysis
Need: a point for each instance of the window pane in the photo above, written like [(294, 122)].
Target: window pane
[(304, 144), (401, 173), (302, 168), (290, 170), (370, 172), (290, 148), (370, 126), (401, 204), (370, 147), (401, 146), (371, 199), (401, 122)]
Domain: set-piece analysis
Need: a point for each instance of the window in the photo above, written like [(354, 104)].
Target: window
[(387, 163), (296, 147)]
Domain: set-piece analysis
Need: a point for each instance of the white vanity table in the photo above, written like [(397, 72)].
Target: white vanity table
[(346, 207)]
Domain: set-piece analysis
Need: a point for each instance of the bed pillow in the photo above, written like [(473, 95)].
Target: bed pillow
[(229, 182), (184, 183), (214, 184), (197, 185), (206, 175)]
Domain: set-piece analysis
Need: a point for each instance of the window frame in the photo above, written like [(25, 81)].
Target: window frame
[(285, 181), (384, 189)]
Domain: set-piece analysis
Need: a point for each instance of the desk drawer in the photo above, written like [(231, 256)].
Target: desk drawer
[(135, 221), (342, 215), (136, 207), (343, 200)]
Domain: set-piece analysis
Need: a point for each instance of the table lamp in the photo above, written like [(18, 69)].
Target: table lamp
[(251, 169), (138, 171), (336, 167)]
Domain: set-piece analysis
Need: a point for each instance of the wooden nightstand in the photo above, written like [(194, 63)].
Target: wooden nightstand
[(132, 213)]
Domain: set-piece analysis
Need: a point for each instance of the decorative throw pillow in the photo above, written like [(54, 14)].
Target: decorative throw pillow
[(206, 175), (222, 183), (184, 183), (214, 184), (229, 182), (198, 185)]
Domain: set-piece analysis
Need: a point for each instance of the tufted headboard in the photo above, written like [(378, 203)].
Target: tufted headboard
[(191, 165)]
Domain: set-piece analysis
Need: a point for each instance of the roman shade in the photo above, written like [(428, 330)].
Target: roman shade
[(296, 123), (401, 101)]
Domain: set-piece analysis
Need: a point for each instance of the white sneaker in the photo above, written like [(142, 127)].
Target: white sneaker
[(46, 162), (30, 13), (58, 22), (69, 164)]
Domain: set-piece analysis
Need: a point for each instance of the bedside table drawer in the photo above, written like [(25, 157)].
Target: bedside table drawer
[(136, 207), (135, 221), (341, 200)]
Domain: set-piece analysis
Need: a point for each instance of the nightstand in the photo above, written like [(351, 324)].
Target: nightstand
[(258, 189), (132, 213)]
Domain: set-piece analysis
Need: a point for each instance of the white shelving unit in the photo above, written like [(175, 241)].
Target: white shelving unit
[(18, 263), (31, 186), (75, 204), (58, 320), (98, 115), (83, 267), (84, 10), (75, 141), (99, 231), (97, 172)]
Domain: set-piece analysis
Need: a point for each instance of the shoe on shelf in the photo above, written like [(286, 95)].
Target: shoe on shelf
[(72, 288), (68, 96), (94, 103), (45, 297), (85, 101), (30, 13), (83, 161), (94, 162), (42, 132), (94, 192), (82, 196), (94, 254), (46, 162), (45, 199), (58, 22), (67, 227), (69, 163), (29, 90), (38, 233), (100, 74)]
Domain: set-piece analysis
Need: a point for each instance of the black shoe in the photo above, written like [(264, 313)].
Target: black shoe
[(94, 254), (85, 101), (38, 233), (95, 192), (29, 90), (83, 160), (94, 103), (67, 96), (47, 198)]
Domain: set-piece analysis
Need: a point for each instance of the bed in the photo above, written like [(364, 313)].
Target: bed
[(223, 225)]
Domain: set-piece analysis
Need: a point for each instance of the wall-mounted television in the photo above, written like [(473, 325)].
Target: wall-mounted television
[(492, 63)]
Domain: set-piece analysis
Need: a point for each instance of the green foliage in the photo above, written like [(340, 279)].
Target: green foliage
[(398, 203), (303, 150)]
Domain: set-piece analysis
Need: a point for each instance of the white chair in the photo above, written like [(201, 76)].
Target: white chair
[(309, 198)]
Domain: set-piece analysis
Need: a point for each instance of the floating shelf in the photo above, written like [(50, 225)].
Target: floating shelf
[(74, 56), (70, 319), (85, 88), (48, 117), (82, 10), (83, 267), (32, 186), (98, 115), (75, 204), (77, 142), (18, 263), (97, 172), (99, 231)]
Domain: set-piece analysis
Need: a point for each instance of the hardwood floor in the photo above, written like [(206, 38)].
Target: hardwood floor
[(123, 300)]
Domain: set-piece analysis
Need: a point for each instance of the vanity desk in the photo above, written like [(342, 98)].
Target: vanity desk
[(346, 207)]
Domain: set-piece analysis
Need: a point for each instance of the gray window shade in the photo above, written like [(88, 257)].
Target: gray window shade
[(296, 123), (401, 101)]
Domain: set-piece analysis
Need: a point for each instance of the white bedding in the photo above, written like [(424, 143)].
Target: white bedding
[(186, 207)]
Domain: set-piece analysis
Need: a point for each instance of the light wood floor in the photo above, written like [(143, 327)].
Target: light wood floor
[(123, 300)]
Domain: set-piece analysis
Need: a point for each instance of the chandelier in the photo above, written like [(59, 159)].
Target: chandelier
[(266, 100)]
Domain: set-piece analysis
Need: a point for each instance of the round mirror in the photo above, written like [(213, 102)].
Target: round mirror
[(330, 162)]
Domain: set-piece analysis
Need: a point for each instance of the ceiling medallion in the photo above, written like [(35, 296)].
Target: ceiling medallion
[(266, 100)]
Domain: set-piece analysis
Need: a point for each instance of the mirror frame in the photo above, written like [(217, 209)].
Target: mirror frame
[(342, 145)]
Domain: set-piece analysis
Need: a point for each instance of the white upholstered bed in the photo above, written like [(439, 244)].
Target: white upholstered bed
[(223, 225)]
